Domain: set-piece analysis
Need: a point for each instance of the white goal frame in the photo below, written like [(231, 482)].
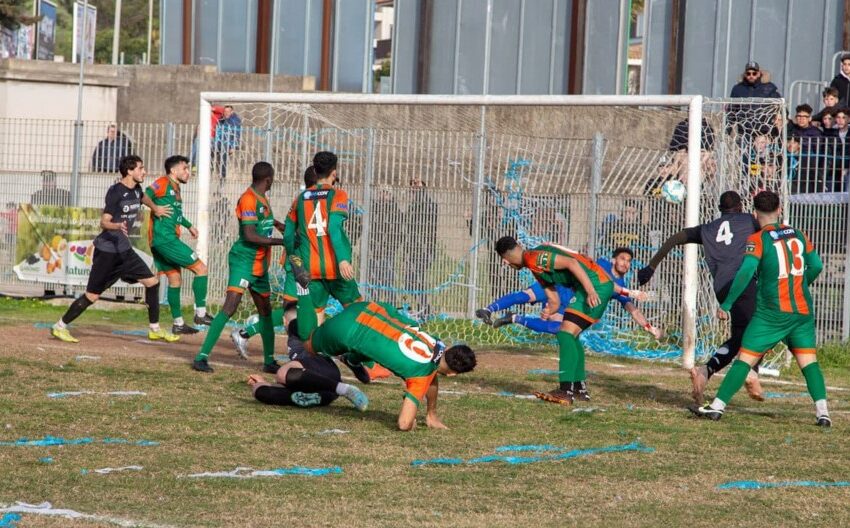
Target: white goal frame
[(694, 184)]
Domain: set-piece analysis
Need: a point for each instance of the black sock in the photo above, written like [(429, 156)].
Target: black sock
[(566, 385), (305, 381), (273, 395), (76, 309), (152, 300)]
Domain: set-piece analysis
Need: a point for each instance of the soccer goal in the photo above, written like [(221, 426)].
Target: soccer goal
[(434, 181)]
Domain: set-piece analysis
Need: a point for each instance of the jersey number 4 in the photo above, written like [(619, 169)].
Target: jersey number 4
[(795, 247), (318, 223), (725, 234)]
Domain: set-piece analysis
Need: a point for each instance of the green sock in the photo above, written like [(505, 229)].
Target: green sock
[(567, 357), (173, 297), (267, 332), (733, 381), (213, 333), (307, 318), (581, 375), (254, 328), (199, 289), (814, 381)]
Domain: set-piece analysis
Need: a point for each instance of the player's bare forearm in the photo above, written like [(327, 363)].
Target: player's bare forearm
[(573, 266), (107, 223), (637, 315), (745, 274), (553, 300), (407, 416), (250, 231), (676, 240)]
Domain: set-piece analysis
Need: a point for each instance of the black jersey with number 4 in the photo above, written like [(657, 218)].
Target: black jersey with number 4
[(124, 204), (723, 241)]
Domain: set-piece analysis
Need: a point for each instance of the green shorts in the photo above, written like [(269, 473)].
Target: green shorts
[(344, 291), (290, 291), (171, 256), (580, 312), (240, 277), (766, 330)]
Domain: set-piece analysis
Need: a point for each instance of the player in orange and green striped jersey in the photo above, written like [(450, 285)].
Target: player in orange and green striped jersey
[(314, 234), (248, 263), (368, 331), (787, 264), (170, 254), (551, 265)]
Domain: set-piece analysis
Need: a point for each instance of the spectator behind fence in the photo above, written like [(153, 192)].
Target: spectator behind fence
[(827, 122), (50, 194), (746, 119), (110, 150), (841, 82), (675, 163), (830, 104), (422, 215), (226, 137), (802, 124)]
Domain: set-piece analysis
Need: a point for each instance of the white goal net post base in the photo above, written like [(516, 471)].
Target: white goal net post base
[(694, 105)]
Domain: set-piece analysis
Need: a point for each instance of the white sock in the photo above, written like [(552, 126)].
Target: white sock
[(60, 324), (179, 321), (820, 408), (155, 327), (718, 404), (200, 311), (342, 388)]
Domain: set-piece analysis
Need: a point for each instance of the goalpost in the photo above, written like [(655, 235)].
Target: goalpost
[(386, 140)]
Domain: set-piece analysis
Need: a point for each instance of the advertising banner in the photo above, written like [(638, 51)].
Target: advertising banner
[(83, 43), (46, 30)]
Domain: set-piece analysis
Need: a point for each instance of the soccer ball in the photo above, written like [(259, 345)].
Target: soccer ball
[(674, 191)]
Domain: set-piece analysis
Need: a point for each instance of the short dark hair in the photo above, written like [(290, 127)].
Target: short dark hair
[(173, 161), (845, 57), (128, 163), (804, 108), (766, 202), (829, 90), (505, 244), (324, 163), (620, 250), (730, 202), (310, 177), (460, 358), (261, 171)]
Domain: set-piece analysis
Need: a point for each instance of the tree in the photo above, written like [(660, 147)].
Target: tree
[(13, 15)]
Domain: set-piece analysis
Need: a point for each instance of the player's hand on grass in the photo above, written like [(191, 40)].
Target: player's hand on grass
[(722, 314), (645, 274), (433, 422), (162, 210), (193, 231), (254, 379), (346, 270)]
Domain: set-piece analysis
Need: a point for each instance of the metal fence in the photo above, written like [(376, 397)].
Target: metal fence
[(417, 246)]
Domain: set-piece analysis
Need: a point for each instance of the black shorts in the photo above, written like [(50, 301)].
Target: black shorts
[(744, 306), (322, 365), (107, 268)]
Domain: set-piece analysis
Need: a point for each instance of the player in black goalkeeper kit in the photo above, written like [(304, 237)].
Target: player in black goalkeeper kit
[(723, 242)]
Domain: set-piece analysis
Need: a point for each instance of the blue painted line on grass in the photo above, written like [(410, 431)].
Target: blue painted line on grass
[(57, 440), (530, 447), (46, 460), (43, 325), (544, 371), (310, 472), (753, 484), (9, 520), (785, 394), (130, 332), (574, 453)]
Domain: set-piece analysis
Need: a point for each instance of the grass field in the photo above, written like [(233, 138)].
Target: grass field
[(210, 423)]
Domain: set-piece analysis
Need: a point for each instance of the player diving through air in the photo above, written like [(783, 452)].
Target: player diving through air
[(366, 331), (553, 265), (616, 268)]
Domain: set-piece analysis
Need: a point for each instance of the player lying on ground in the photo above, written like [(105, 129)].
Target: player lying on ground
[(553, 265), (299, 358), (366, 331), (170, 254), (787, 264), (248, 267), (723, 241), (616, 268), (114, 256)]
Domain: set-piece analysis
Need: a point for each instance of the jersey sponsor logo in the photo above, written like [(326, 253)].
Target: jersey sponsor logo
[(543, 260), (171, 192), (343, 206), (751, 247), (316, 195), (244, 283), (249, 213), (155, 186), (260, 210)]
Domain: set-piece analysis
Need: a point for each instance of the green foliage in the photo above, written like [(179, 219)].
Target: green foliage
[(13, 14)]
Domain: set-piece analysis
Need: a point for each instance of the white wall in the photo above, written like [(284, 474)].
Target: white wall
[(44, 100)]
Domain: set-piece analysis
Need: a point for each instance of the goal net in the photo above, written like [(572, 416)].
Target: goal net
[(434, 181)]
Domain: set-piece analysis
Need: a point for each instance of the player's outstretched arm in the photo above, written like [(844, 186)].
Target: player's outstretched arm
[(157, 210), (742, 279), (639, 318), (572, 265), (431, 419), (250, 231), (690, 235), (814, 265)]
